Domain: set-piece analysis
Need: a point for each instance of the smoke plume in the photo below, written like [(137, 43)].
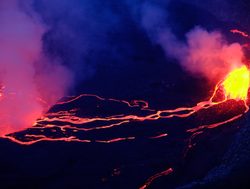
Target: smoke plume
[(37, 52), (30, 82), (202, 53), (205, 53)]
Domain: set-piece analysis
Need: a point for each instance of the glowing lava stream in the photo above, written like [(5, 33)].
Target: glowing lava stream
[(235, 86), (243, 34)]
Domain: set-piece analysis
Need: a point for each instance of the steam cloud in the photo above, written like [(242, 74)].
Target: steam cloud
[(83, 34), (30, 81), (204, 53)]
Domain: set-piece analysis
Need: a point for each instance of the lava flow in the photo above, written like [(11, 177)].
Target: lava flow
[(70, 125), (78, 125), (110, 120)]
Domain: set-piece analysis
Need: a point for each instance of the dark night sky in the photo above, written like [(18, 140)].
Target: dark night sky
[(105, 45)]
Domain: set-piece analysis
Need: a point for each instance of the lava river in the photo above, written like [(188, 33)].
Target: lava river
[(112, 120)]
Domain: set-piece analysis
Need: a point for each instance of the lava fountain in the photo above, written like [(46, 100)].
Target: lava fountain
[(236, 84)]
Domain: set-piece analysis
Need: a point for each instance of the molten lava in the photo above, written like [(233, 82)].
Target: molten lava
[(236, 84), (70, 125), (74, 125)]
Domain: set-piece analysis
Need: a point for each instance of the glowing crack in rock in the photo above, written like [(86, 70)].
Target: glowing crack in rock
[(152, 178)]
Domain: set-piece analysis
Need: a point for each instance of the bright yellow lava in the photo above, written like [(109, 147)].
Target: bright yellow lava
[(236, 84)]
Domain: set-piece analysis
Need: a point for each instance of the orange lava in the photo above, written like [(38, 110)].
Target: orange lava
[(67, 123), (152, 178), (236, 84)]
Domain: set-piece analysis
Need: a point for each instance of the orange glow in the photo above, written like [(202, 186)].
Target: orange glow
[(69, 125), (236, 84), (243, 34)]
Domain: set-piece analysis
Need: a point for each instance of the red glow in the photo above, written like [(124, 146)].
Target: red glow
[(152, 178), (66, 124), (243, 34), (70, 121)]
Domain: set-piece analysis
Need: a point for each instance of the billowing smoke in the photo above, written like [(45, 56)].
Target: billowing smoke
[(205, 53), (201, 53), (30, 81), (82, 35)]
